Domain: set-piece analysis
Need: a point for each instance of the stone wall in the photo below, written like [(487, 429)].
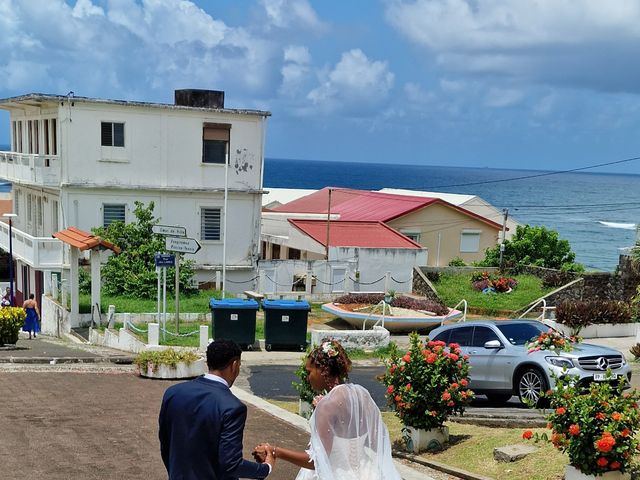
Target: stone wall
[(422, 286)]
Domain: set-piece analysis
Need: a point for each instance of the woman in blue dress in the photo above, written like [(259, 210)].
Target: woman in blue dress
[(33, 316)]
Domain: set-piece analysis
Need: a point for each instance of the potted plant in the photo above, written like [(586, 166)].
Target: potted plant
[(169, 363), (597, 428), (425, 386), (11, 321)]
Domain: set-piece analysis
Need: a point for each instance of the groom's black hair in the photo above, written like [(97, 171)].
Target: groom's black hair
[(221, 353)]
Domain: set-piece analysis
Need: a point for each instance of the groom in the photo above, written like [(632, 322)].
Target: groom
[(202, 422)]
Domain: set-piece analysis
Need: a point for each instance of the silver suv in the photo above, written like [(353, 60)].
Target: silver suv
[(501, 366)]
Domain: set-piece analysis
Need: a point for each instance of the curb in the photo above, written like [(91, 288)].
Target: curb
[(67, 360), (441, 467)]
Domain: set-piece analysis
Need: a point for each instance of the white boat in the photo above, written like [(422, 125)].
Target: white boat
[(393, 323)]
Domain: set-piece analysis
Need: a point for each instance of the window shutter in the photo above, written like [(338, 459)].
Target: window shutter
[(113, 213), (118, 134), (210, 224), (107, 134)]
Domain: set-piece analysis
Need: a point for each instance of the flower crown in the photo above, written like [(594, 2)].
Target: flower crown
[(329, 349)]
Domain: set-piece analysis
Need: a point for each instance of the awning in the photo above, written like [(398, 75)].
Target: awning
[(82, 240)]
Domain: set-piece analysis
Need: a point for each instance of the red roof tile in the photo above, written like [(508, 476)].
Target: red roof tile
[(354, 234), (84, 241)]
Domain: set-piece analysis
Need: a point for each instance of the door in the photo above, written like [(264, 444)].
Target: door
[(338, 278), (489, 363)]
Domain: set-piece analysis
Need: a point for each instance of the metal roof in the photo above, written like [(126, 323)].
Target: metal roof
[(83, 240), (354, 234), (39, 99)]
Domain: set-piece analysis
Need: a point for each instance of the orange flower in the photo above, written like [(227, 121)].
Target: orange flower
[(616, 416), (454, 385), (625, 433), (561, 411), (407, 358), (390, 389), (574, 429), (615, 465), (602, 462), (398, 398), (606, 443), (446, 396), (527, 434), (431, 358), (451, 403), (408, 387), (464, 382), (453, 357), (600, 416)]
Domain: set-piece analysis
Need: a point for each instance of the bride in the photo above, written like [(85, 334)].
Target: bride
[(348, 441)]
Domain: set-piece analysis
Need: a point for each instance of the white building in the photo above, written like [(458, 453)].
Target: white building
[(83, 162)]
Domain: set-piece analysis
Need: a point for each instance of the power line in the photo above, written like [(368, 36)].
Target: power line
[(545, 174)]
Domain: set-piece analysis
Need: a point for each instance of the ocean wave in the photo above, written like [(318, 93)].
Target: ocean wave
[(625, 226)]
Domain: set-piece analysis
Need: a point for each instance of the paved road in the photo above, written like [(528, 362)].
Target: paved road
[(100, 426)]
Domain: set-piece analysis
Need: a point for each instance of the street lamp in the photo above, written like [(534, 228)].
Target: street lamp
[(10, 216)]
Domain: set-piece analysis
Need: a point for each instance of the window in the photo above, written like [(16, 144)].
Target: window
[(113, 213), (413, 235), (39, 216), (54, 136), (18, 201), (14, 136), (54, 216), (461, 336), (470, 241), (275, 251), (482, 335), (215, 142), (210, 223), (112, 134), (443, 337), (19, 145), (294, 254), (29, 213)]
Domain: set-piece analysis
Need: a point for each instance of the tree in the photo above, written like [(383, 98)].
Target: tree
[(132, 273), (534, 245)]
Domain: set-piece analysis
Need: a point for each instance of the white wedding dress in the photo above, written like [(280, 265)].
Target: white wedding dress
[(349, 441)]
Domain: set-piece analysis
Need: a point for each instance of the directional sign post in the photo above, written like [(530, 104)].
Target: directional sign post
[(182, 245), (169, 230)]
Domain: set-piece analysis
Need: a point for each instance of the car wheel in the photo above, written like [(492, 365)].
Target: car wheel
[(531, 385), (498, 397)]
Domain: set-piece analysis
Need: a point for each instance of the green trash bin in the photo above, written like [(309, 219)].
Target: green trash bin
[(234, 319), (285, 324)]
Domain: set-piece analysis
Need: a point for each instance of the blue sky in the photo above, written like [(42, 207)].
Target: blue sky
[(552, 84)]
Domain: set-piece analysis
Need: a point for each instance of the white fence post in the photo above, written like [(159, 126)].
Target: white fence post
[(204, 337), (54, 286), (387, 281), (218, 279), (308, 284), (154, 334), (111, 320)]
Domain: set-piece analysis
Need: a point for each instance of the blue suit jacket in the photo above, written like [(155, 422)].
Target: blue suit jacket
[(201, 427)]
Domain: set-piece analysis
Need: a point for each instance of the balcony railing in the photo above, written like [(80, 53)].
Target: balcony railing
[(30, 168), (42, 253)]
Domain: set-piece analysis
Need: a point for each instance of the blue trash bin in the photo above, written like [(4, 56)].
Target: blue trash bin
[(285, 324), (234, 319)]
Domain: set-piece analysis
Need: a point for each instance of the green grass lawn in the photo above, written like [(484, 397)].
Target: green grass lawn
[(471, 449), (198, 303), (453, 288)]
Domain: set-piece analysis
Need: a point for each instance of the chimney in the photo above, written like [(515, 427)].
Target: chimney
[(193, 97)]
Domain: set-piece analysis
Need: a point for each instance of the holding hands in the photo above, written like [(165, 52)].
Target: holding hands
[(264, 453)]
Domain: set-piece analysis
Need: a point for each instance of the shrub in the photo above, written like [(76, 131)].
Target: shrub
[(597, 429), (577, 314), (480, 285), (457, 262), (428, 383), (478, 276), (371, 298), (482, 280), (171, 357), (11, 321), (434, 276), (415, 304), (635, 350)]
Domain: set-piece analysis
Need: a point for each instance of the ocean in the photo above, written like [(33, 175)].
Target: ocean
[(596, 212)]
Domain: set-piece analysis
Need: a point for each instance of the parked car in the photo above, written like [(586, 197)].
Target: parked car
[(502, 367)]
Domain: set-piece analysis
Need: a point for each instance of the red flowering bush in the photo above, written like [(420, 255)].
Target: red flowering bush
[(483, 280), (427, 383), (597, 429)]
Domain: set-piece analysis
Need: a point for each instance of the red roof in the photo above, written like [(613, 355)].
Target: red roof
[(354, 234), (364, 205), (84, 241)]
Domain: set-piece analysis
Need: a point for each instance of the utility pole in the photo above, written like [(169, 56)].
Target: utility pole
[(505, 211), (326, 250)]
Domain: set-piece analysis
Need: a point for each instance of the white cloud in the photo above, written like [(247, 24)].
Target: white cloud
[(546, 41), (355, 83), (127, 48), (497, 97), (292, 14), (295, 70)]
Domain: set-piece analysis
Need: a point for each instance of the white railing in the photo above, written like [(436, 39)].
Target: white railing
[(462, 302), (39, 252), (31, 168), (543, 315)]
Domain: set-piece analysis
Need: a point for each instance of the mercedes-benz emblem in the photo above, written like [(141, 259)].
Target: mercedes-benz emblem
[(602, 363)]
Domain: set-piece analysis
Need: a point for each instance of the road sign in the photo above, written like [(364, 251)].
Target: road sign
[(169, 230), (165, 260), (182, 245)]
